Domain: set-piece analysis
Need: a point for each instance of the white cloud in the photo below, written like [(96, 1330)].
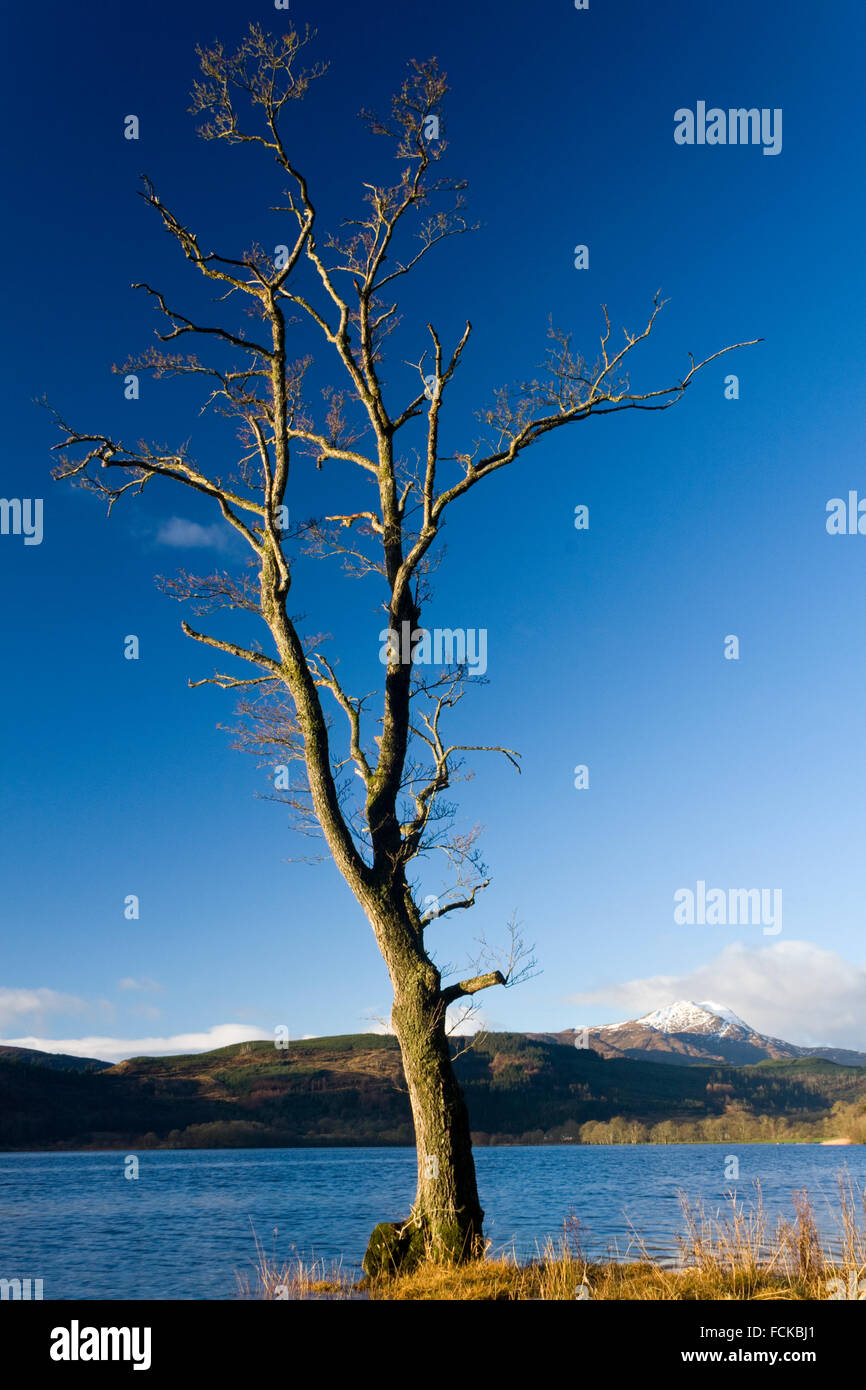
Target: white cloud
[(116, 1049), (464, 1019), (376, 1023), (145, 983), (789, 989), (16, 1004), (191, 535)]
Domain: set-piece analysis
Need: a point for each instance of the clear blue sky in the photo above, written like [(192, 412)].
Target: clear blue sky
[(605, 647)]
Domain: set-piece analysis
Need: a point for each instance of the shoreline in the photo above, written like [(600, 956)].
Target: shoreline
[(131, 1145)]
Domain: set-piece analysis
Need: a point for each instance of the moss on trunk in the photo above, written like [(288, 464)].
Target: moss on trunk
[(446, 1221)]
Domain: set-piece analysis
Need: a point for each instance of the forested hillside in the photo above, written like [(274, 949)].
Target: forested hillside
[(349, 1090)]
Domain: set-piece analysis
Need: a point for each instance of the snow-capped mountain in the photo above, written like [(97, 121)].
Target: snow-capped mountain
[(687, 1032), (688, 1017)]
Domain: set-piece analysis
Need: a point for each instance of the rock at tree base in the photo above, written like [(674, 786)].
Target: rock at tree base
[(393, 1247)]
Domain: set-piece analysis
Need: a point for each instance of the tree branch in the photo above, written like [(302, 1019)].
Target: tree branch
[(473, 986)]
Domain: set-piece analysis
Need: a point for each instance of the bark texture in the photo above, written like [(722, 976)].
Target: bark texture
[(446, 1222)]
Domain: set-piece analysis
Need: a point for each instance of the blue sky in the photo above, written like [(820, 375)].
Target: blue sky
[(605, 647)]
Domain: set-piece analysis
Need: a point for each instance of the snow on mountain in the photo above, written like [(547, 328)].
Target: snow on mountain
[(727, 1014), (685, 1016)]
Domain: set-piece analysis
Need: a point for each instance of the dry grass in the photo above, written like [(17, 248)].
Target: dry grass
[(296, 1279), (731, 1254)]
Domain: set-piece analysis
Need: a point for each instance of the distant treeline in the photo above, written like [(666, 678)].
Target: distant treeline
[(734, 1126)]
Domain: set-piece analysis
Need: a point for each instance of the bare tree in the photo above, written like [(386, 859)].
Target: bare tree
[(379, 800)]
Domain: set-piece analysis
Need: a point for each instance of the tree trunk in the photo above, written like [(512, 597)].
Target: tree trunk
[(446, 1219), (446, 1203)]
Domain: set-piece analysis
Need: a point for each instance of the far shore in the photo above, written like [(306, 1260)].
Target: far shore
[(135, 1145)]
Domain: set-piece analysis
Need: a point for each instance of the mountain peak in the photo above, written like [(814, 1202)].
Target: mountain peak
[(687, 1016)]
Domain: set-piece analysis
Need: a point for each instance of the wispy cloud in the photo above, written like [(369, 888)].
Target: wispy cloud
[(191, 535), (116, 1049), (375, 1022), (145, 1011), (144, 983), (17, 1005), (790, 989)]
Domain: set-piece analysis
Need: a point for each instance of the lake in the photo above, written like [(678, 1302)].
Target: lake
[(184, 1228)]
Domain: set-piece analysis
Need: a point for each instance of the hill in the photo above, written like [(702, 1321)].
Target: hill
[(349, 1091), (61, 1061)]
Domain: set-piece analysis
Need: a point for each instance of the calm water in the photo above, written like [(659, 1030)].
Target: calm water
[(184, 1228)]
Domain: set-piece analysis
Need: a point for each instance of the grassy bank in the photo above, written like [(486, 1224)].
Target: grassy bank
[(730, 1254)]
